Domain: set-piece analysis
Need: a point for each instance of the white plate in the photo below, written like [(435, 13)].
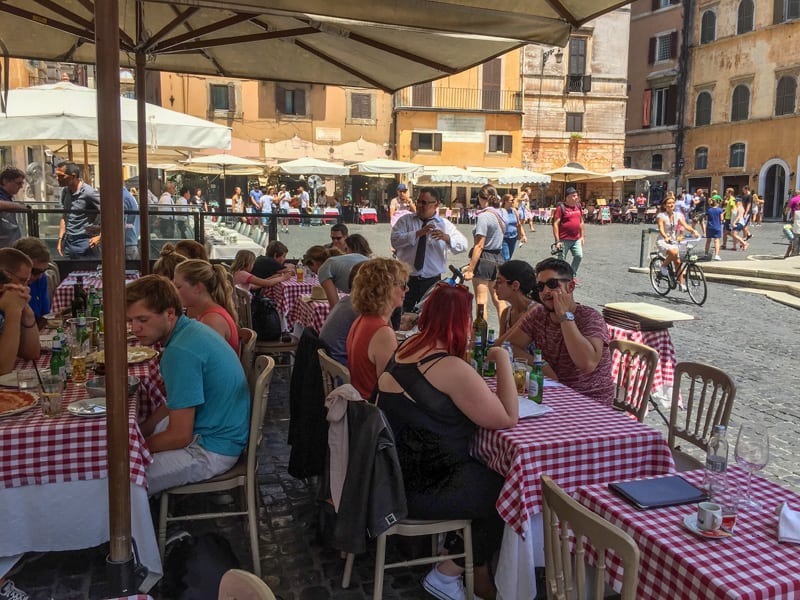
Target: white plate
[(91, 407), (690, 522), (528, 408), (9, 380)]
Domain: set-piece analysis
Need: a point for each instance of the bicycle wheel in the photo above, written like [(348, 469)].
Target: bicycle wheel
[(659, 281), (696, 284)]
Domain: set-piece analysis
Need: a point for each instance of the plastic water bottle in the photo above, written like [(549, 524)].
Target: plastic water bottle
[(716, 477)]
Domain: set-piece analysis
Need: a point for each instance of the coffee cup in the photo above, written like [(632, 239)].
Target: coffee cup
[(709, 516)]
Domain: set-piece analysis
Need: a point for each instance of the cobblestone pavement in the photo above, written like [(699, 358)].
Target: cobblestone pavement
[(749, 336)]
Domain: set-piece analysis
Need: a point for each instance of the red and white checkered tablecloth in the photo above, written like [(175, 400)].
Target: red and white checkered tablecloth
[(661, 342), (309, 314), (40, 450), (287, 293), (580, 442), (676, 563), (62, 297)]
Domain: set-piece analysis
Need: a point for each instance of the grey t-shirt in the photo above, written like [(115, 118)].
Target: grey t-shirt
[(338, 268), (488, 226), (337, 326)]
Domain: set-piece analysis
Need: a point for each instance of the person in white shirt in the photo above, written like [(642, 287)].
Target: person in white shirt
[(437, 236), (166, 224), (303, 197), (284, 204), (265, 203), (181, 210)]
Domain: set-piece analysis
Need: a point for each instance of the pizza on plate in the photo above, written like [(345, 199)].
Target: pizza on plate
[(11, 402), (136, 354)]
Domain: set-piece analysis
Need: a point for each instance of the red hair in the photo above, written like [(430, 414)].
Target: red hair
[(446, 318)]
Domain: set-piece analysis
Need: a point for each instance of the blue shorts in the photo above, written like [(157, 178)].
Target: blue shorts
[(714, 234)]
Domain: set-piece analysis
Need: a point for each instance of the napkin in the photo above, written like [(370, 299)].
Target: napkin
[(789, 525), (527, 408)]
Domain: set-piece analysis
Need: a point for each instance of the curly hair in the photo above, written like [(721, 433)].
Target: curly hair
[(213, 277), (374, 283)]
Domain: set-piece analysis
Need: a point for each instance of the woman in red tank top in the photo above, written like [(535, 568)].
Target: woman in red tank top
[(379, 288), (207, 296)]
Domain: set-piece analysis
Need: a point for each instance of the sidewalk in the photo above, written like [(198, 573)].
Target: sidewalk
[(777, 278)]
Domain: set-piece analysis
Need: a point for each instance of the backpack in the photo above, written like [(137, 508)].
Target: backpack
[(267, 322), (194, 566)]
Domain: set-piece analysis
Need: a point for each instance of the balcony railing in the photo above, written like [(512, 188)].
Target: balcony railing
[(426, 96)]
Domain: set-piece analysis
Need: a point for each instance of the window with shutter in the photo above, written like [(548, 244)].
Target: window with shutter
[(577, 56), (665, 47), (220, 98), (701, 158), (360, 106), (657, 162), (708, 27), (785, 10), (426, 140), (744, 17), (290, 101), (671, 116), (574, 122), (740, 103), (422, 95), (490, 92), (651, 51), (736, 158), (647, 96), (660, 106), (702, 112), (785, 96), (500, 143)]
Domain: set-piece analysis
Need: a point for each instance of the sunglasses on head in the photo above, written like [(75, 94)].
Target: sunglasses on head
[(460, 286), (550, 283)]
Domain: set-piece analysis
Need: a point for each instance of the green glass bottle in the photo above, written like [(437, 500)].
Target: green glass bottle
[(536, 378)]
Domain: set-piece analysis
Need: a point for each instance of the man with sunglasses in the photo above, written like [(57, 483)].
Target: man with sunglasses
[(421, 240), (36, 250), (79, 230), (573, 337), (338, 236), (11, 181)]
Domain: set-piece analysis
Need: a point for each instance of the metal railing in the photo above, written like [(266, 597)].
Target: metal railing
[(459, 99)]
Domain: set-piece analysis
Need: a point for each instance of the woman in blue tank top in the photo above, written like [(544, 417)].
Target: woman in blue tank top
[(514, 227)]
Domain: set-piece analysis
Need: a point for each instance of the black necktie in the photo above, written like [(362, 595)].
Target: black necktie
[(422, 243)]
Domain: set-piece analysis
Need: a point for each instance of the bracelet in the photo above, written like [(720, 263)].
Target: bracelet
[(28, 326)]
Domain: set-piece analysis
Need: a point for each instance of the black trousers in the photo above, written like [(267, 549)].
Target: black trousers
[(417, 286)]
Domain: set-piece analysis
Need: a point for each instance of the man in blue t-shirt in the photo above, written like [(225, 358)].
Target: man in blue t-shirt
[(203, 429), (37, 251)]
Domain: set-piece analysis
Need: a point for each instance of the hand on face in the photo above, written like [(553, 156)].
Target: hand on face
[(562, 301), (14, 297)]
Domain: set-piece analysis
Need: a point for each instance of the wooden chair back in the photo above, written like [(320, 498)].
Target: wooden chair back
[(565, 574), (241, 585), (707, 394), (637, 367), (244, 311), (247, 354), (334, 373)]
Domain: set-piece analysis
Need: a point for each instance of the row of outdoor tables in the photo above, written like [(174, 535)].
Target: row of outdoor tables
[(54, 476)]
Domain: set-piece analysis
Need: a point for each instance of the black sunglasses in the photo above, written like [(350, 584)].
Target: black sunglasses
[(550, 283), (36, 272)]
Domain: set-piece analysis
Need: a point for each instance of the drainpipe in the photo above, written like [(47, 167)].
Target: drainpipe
[(684, 64)]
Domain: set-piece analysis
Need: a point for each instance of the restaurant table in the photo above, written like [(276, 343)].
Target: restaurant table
[(220, 249), (661, 342), (309, 314), (54, 478), (287, 293), (675, 562), (579, 442), (65, 292), (367, 215)]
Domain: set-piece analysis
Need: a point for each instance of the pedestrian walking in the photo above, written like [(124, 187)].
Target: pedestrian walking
[(568, 230)]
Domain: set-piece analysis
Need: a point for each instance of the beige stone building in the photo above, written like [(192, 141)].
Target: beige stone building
[(742, 118), (655, 100), (574, 102)]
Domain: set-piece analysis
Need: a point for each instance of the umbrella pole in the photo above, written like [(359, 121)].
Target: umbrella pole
[(141, 134), (120, 562)]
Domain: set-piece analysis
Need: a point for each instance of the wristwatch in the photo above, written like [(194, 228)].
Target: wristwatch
[(568, 316)]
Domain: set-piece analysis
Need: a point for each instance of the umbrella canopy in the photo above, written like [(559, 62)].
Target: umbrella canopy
[(447, 174), (631, 174), (389, 45), (385, 166), (227, 164), (49, 114), (312, 166), (568, 174), (510, 175)]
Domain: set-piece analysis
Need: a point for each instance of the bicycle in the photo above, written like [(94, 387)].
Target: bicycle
[(693, 276)]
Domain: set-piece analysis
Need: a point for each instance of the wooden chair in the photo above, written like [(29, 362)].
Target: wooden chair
[(334, 373), (637, 367), (242, 475), (247, 354), (708, 394), (242, 301), (241, 585), (565, 576), (279, 348)]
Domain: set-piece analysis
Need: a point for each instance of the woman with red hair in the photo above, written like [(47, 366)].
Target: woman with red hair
[(434, 402)]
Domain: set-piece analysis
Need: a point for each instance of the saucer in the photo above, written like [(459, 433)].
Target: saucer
[(91, 407), (690, 522)]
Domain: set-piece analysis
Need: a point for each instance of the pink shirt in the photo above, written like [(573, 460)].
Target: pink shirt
[(547, 336)]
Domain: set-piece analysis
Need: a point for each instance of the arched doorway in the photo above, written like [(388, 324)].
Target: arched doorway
[(774, 192)]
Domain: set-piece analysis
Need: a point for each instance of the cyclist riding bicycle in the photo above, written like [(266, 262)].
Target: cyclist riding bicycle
[(669, 224)]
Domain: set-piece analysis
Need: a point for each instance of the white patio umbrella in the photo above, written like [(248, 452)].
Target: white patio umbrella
[(447, 174), (224, 164), (568, 174), (65, 112), (385, 166), (312, 166), (510, 175), (630, 175)]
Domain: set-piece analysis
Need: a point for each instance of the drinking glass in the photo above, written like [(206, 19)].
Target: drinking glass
[(27, 381), (52, 393), (752, 454), (521, 370)]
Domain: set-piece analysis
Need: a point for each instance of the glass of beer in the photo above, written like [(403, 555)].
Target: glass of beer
[(521, 376), (78, 361), (52, 394)]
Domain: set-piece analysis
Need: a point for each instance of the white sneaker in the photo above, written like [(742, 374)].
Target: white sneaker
[(444, 587), (11, 592), (684, 288), (717, 257)]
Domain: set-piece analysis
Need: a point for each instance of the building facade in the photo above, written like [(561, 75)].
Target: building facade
[(742, 98)]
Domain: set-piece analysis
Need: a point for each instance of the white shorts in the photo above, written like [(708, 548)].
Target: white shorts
[(663, 246)]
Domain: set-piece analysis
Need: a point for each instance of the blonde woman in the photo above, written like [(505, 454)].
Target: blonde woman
[(379, 288), (515, 227), (487, 252), (207, 296), (167, 261), (243, 278)]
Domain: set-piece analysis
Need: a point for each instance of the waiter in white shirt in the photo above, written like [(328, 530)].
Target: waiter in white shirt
[(421, 241)]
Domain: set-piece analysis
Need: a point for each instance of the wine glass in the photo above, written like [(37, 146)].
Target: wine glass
[(752, 454)]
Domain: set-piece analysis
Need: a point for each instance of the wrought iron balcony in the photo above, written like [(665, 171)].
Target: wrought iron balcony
[(427, 96)]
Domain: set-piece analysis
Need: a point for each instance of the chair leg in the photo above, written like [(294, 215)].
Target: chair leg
[(252, 517), (380, 561), (469, 575), (348, 570), (162, 523)]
